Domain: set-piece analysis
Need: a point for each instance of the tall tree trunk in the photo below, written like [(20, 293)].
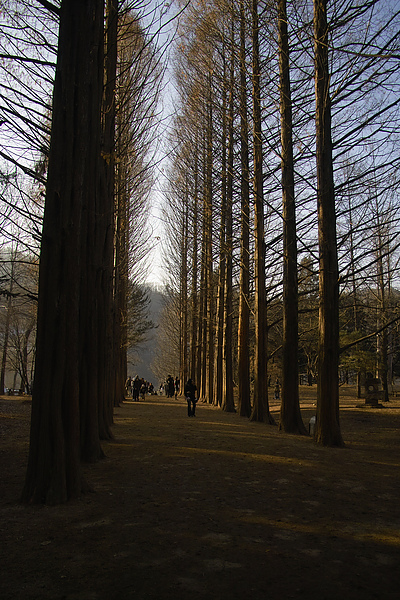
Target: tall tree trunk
[(121, 283), (106, 241), (228, 403), (90, 377), (352, 265), (327, 430), (54, 474), (260, 410), (194, 360), (244, 403), (209, 253), (354, 285), (382, 337), (203, 309), (290, 415), (218, 362), (183, 297)]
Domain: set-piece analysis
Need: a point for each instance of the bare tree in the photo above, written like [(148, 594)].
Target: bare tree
[(327, 429), (227, 399), (53, 473), (290, 416), (260, 410), (244, 402), (139, 80)]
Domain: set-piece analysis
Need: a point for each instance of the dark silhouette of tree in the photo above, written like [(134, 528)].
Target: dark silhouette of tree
[(327, 430), (54, 473), (260, 411), (290, 415)]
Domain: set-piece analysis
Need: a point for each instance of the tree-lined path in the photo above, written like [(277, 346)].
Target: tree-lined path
[(212, 507), (263, 140)]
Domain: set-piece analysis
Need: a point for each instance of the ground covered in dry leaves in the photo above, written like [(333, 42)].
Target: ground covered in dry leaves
[(210, 507)]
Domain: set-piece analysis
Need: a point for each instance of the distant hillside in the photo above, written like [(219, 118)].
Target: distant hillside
[(141, 358)]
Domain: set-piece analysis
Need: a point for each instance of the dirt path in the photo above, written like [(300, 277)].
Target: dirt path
[(212, 507)]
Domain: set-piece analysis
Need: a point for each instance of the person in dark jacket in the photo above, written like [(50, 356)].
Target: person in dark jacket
[(190, 394), (136, 388), (170, 387)]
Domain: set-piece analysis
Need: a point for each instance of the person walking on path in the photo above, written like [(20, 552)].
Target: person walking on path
[(136, 388), (128, 386), (190, 394), (177, 387), (170, 387)]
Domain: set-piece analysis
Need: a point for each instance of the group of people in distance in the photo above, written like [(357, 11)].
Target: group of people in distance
[(138, 388), (171, 387)]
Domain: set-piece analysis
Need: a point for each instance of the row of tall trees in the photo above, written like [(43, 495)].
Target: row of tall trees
[(92, 174), (284, 171)]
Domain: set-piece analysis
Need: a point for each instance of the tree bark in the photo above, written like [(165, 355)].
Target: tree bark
[(244, 402), (290, 415), (209, 251), (107, 228), (194, 298), (218, 355), (53, 473), (183, 299), (327, 430), (260, 410), (203, 304), (202, 329), (92, 225), (228, 403), (120, 302), (382, 336)]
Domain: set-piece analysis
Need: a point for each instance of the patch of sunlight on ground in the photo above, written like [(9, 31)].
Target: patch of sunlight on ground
[(359, 532), (269, 458)]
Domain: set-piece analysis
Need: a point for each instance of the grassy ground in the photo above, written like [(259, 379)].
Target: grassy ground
[(211, 507)]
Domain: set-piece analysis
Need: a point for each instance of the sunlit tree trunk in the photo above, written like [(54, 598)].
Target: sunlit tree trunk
[(227, 397), (382, 284), (183, 297), (106, 243), (120, 311), (194, 295), (327, 430), (203, 305), (244, 403), (209, 251), (290, 416), (218, 358), (260, 410)]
